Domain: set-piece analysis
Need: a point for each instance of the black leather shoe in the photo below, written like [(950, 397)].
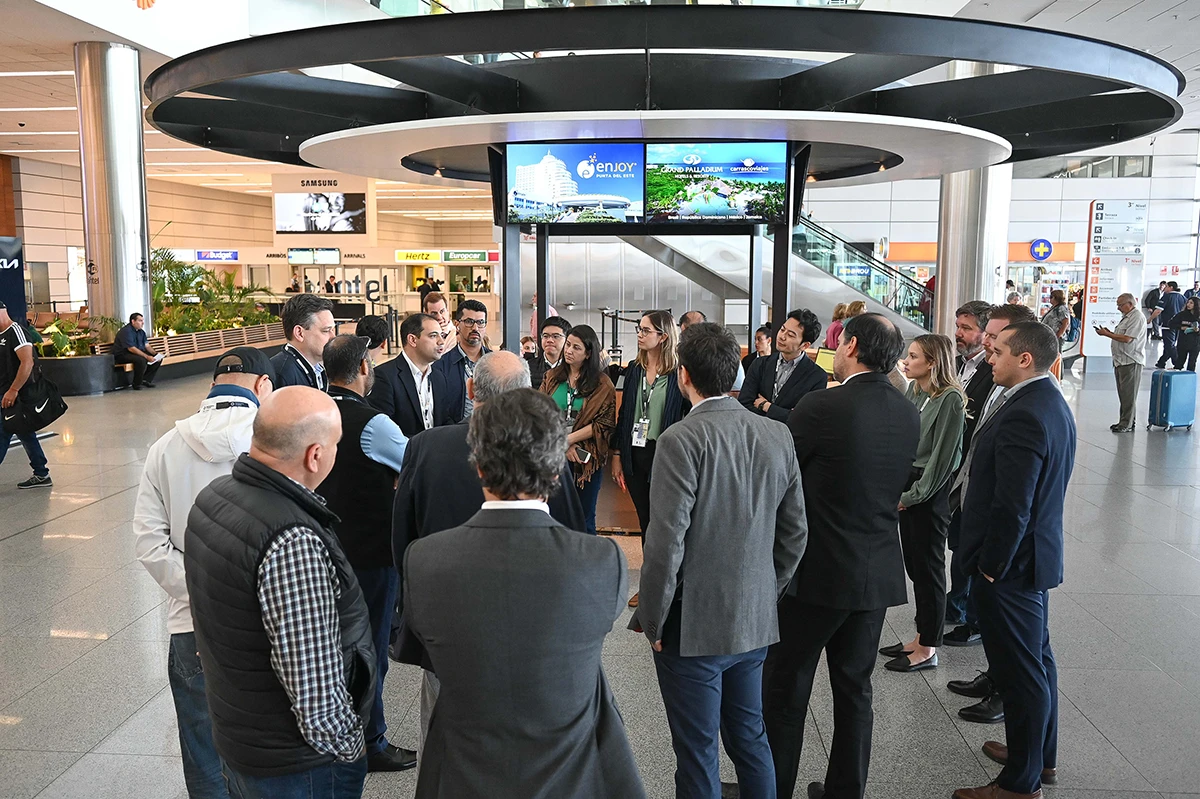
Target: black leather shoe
[(962, 635), (978, 688), (730, 790), (816, 790), (895, 650), (903, 665), (392, 758), (988, 711)]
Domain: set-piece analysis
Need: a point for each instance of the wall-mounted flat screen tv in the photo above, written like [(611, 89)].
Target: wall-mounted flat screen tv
[(321, 212), (716, 182), (308, 256), (594, 182)]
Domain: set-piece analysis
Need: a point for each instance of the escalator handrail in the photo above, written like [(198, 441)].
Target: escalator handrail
[(868, 260)]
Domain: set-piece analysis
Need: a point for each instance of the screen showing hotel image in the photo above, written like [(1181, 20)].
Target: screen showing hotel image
[(321, 212), (582, 182), (719, 182)]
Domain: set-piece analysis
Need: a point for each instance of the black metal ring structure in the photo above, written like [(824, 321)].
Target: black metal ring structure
[(1071, 93)]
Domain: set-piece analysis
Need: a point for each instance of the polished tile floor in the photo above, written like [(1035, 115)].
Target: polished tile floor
[(85, 710)]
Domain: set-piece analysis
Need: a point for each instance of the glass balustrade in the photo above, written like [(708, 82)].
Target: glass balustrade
[(414, 8)]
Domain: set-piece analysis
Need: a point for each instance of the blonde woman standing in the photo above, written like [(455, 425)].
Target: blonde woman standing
[(924, 506)]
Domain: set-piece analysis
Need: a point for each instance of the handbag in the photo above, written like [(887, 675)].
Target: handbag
[(39, 403)]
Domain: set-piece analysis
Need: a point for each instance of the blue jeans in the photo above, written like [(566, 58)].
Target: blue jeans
[(588, 495), (201, 764), (333, 781), (379, 591), (709, 699), (33, 448)]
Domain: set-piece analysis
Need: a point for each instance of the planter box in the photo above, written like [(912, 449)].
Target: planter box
[(81, 374)]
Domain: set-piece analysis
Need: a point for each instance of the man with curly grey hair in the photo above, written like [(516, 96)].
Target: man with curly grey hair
[(524, 706)]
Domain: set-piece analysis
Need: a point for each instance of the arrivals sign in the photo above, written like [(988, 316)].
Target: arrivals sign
[(12, 276), (1116, 257)]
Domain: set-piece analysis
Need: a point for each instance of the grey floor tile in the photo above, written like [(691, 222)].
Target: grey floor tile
[(23, 774), (150, 627), (113, 548), (26, 663), (102, 609), (1161, 629), (100, 776), (152, 730), (1081, 641), (28, 590)]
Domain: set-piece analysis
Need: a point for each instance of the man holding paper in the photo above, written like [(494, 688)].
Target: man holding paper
[(133, 347)]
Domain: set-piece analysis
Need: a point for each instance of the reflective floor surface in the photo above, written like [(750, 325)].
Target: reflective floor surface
[(85, 709)]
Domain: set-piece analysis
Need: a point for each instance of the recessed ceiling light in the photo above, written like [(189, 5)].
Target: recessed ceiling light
[(31, 110), (195, 175), (24, 133), (26, 152), (59, 73)]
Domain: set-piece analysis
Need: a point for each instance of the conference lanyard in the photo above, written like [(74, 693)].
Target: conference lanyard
[(314, 377)]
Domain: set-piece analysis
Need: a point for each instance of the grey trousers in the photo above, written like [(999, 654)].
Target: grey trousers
[(1129, 379)]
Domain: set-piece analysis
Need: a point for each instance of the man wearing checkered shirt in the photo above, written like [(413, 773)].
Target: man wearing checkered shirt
[(283, 632)]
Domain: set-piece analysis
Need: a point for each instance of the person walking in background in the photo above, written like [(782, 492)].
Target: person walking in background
[(833, 335), (534, 324), (650, 403), (308, 326), (764, 341), (775, 384), (1129, 359), (588, 401), (1150, 302), (924, 506), (1058, 317), (856, 445), (132, 347), (196, 451), (1013, 498), (524, 709), (16, 365), (553, 337), (1169, 304), (1186, 325), (727, 492)]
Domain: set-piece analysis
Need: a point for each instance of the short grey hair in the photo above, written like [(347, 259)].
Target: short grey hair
[(518, 443), (1126, 297), (498, 373), (1014, 296)]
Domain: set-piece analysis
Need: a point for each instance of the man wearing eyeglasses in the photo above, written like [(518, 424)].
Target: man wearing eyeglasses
[(458, 364), (553, 336)]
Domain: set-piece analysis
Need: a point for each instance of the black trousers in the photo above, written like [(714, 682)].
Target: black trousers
[(923, 535), (143, 370), (1188, 348), (638, 482), (850, 639)]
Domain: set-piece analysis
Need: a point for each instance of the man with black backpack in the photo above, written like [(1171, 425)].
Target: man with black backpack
[(16, 365)]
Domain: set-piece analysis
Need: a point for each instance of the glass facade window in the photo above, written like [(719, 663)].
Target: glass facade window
[(1111, 166)]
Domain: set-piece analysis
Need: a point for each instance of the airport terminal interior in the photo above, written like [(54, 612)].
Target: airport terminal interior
[(200, 164)]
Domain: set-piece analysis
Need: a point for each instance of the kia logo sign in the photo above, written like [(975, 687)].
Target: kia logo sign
[(10, 263)]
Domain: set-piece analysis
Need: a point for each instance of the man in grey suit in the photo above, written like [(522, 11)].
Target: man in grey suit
[(726, 532), (525, 711)]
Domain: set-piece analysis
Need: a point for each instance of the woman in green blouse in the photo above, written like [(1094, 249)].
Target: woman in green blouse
[(924, 505)]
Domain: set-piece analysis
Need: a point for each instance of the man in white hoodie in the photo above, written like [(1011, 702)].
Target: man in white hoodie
[(179, 465)]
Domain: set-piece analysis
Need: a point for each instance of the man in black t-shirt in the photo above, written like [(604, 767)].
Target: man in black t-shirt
[(16, 364), (133, 347)]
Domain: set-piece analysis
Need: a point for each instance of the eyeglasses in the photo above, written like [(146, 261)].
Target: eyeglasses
[(478, 324), (645, 331), (553, 337)]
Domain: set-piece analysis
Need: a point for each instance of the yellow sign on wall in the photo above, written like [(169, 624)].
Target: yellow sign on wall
[(418, 256)]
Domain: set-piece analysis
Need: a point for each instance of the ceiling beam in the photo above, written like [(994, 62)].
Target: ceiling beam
[(477, 88), (823, 88), (356, 102)]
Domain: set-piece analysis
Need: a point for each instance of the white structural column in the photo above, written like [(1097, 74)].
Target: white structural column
[(972, 229), (109, 92)]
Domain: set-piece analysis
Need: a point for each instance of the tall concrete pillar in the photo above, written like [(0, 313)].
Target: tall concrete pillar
[(972, 229), (108, 86)]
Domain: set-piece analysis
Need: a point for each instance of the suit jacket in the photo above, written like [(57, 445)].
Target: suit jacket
[(289, 372), (726, 531), (856, 444), (451, 368), (977, 393), (525, 711), (439, 489), (760, 380), (674, 410), (395, 393), (1012, 527)]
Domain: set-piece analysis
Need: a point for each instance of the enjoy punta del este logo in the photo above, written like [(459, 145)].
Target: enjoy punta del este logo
[(593, 167)]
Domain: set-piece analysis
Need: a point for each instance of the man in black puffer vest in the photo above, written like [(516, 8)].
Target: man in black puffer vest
[(360, 490), (283, 631)]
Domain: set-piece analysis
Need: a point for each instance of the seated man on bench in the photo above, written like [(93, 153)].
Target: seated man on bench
[(133, 348)]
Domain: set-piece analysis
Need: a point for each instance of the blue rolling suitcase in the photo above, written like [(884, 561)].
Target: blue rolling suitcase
[(1172, 399)]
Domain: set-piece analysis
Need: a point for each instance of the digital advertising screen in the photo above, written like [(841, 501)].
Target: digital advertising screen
[(321, 212), (721, 182), (580, 182)]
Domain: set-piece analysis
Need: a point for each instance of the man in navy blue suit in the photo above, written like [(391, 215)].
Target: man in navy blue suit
[(1015, 485)]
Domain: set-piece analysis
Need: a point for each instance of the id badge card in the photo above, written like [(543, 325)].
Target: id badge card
[(641, 432)]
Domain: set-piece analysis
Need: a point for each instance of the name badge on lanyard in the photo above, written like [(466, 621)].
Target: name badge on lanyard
[(570, 414), (641, 428)]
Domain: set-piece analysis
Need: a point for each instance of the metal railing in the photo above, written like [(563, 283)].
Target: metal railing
[(413, 8)]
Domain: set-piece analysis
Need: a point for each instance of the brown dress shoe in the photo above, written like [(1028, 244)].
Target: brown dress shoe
[(994, 791), (633, 600), (998, 752)]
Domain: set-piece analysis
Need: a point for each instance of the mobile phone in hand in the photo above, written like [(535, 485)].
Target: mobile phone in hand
[(583, 455)]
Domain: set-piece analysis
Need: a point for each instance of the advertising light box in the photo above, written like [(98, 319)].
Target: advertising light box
[(580, 182), (321, 212), (720, 182)]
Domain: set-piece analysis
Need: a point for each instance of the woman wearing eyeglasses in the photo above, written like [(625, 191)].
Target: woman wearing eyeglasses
[(650, 403)]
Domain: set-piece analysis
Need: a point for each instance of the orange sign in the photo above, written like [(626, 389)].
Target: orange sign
[(144, 4)]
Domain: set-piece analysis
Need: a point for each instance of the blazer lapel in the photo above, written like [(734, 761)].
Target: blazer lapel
[(410, 385), (767, 387)]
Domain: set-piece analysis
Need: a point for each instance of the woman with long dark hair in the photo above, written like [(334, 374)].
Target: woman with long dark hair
[(925, 505), (1187, 323), (650, 403), (588, 400)]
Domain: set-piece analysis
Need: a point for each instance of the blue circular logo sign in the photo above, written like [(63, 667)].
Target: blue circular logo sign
[(1041, 249)]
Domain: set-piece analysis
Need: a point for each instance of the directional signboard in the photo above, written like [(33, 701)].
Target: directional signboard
[(1116, 256)]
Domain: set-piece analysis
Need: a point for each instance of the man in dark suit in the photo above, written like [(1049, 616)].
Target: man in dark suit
[(776, 383), (457, 364), (553, 336), (308, 326), (436, 468), (711, 616), (525, 709), (408, 388), (1012, 536), (856, 444)]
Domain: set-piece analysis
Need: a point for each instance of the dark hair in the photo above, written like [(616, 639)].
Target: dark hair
[(470, 305), (375, 328), (1012, 313), (979, 309), (711, 356), (518, 443), (592, 366), (1174, 286), (690, 318), (412, 325), (767, 330), (880, 343), (300, 310), (432, 297), (342, 356), (134, 315), (555, 321), (1036, 339), (809, 321)]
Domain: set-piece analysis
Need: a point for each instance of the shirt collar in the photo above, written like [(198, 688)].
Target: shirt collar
[(976, 358), (709, 399), (856, 374), (316, 366), (1010, 391), (417, 374), (515, 504), (226, 390)]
